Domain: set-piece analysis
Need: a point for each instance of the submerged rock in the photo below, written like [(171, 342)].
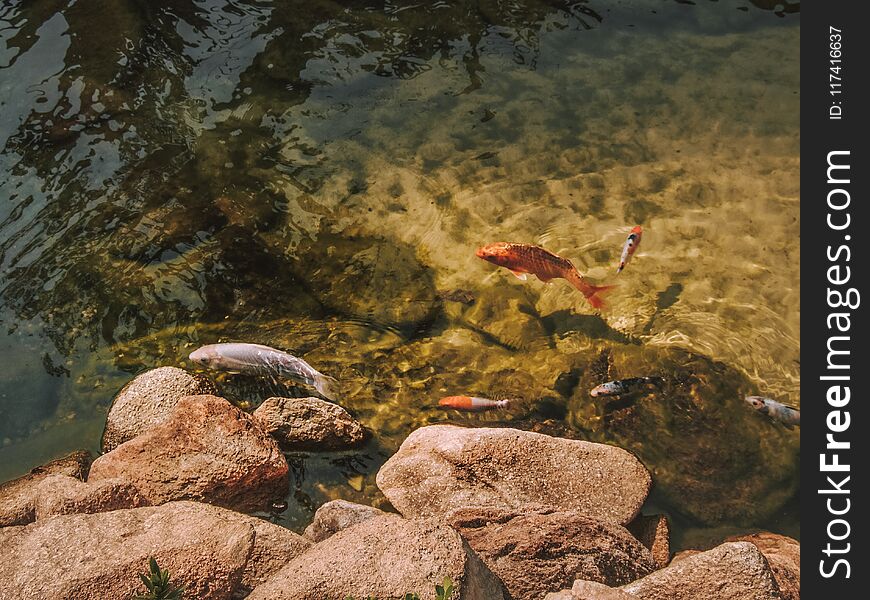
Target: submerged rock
[(369, 278), (384, 557), (206, 450), (26, 366), (538, 552), (101, 555), (337, 515), (147, 400), (443, 467), (653, 532), (309, 424), (507, 315), (18, 497), (397, 391), (732, 571), (712, 459), (783, 554)]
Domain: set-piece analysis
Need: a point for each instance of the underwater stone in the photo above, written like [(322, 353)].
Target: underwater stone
[(695, 431), (207, 450), (384, 557), (22, 412), (148, 399), (535, 552), (372, 279), (444, 467), (508, 316), (308, 424)]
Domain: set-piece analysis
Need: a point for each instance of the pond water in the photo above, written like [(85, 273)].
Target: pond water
[(317, 175)]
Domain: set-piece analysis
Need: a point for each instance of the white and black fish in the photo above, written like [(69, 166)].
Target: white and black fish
[(632, 243), (256, 359), (777, 411), (625, 386)]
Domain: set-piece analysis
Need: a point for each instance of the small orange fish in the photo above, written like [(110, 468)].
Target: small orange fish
[(471, 403), (520, 259), (632, 243)]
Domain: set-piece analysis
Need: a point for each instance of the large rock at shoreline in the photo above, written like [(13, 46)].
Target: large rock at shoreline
[(732, 571), (62, 495), (148, 399), (589, 590), (18, 497), (443, 467), (384, 557), (538, 552), (337, 515), (101, 555), (309, 424), (783, 554), (207, 450), (274, 546)]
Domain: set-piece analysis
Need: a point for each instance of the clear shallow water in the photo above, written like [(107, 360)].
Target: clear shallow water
[(316, 177)]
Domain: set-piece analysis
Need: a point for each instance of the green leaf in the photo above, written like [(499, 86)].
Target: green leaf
[(445, 590)]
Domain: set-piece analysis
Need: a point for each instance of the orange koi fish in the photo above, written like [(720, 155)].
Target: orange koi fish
[(472, 404), (632, 243), (520, 259)]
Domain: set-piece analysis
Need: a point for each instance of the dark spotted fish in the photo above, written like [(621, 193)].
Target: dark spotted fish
[(520, 259), (625, 386), (777, 411)]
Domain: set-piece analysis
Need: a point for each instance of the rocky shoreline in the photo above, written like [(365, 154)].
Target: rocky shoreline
[(504, 513)]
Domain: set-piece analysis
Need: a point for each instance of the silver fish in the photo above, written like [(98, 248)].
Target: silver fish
[(256, 359), (777, 411), (625, 386)]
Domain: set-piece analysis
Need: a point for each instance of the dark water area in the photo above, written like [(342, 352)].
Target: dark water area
[(316, 176)]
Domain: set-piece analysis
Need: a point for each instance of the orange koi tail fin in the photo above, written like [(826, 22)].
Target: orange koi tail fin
[(593, 293)]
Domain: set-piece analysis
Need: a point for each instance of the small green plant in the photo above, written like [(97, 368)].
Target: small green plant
[(442, 592), (158, 585), (445, 590)]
